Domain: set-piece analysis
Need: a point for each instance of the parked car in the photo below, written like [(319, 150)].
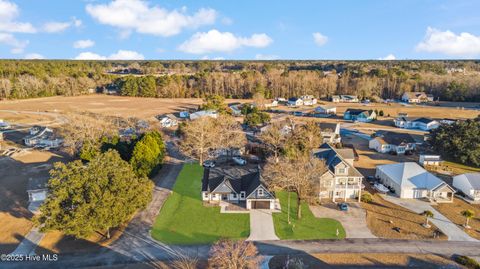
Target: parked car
[(239, 160), (343, 207), (381, 188), (209, 164)]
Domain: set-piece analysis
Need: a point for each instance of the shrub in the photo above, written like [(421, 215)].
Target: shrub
[(467, 262), (366, 197)]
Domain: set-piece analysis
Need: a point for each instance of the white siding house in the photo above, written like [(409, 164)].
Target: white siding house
[(409, 180), (326, 109), (469, 184), (429, 159)]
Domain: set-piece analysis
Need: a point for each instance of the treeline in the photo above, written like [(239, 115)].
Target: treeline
[(459, 141), (447, 80)]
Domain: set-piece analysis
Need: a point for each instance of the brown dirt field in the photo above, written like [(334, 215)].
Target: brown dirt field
[(368, 260), (453, 212), (369, 159), (104, 104), (383, 216), (14, 215)]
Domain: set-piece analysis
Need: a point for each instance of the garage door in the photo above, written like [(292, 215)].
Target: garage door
[(260, 204)]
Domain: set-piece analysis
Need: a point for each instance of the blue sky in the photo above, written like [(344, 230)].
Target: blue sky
[(247, 29)]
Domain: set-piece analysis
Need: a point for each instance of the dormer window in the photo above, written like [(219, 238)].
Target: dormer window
[(260, 192)]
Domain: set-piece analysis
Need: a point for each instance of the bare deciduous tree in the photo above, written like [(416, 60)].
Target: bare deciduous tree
[(233, 255), (274, 137), (301, 175), (198, 138), (205, 134), (84, 128)]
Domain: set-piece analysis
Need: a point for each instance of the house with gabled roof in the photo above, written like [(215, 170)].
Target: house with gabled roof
[(423, 123), (469, 184), (409, 180), (361, 115), (236, 184), (330, 132), (414, 97), (386, 142), (341, 180)]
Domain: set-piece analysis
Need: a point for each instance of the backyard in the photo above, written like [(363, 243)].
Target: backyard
[(308, 227), (184, 219)]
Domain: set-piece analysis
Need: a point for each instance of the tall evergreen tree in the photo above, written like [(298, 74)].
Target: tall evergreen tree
[(96, 197)]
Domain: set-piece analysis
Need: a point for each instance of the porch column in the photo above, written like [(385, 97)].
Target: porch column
[(359, 189), (346, 189)]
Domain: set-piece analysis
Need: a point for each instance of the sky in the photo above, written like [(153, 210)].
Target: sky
[(243, 30)]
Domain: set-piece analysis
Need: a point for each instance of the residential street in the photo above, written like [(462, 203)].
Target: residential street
[(453, 232)]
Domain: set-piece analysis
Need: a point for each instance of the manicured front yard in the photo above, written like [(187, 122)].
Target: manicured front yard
[(184, 219), (308, 227)]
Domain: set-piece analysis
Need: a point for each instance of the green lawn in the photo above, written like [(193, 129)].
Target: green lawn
[(458, 168), (308, 227), (184, 220)]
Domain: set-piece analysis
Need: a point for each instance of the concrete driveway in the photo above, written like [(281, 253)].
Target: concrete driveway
[(453, 232), (261, 225), (354, 221)]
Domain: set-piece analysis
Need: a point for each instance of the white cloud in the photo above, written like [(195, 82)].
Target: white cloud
[(119, 55), (17, 45), (8, 13), (389, 57), (215, 41), (449, 43), (34, 56), (214, 58), (126, 55), (57, 27), (266, 57), (319, 39), (140, 16), (89, 56), (83, 44)]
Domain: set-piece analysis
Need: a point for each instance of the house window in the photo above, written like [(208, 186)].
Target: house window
[(214, 195), (260, 192), (205, 195), (242, 195), (234, 195), (341, 170)]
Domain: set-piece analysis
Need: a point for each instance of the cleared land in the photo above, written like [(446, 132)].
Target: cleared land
[(453, 212), (14, 174), (383, 217), (184, 219), (367, 260), (305, 228)]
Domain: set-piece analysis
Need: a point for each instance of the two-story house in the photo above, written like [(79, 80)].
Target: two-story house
[(341, 180)]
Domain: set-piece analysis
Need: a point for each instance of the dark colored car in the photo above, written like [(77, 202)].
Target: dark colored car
[(343, 207)]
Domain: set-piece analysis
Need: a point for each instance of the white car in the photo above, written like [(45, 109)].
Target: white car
[(209, 164), (239, 160)]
